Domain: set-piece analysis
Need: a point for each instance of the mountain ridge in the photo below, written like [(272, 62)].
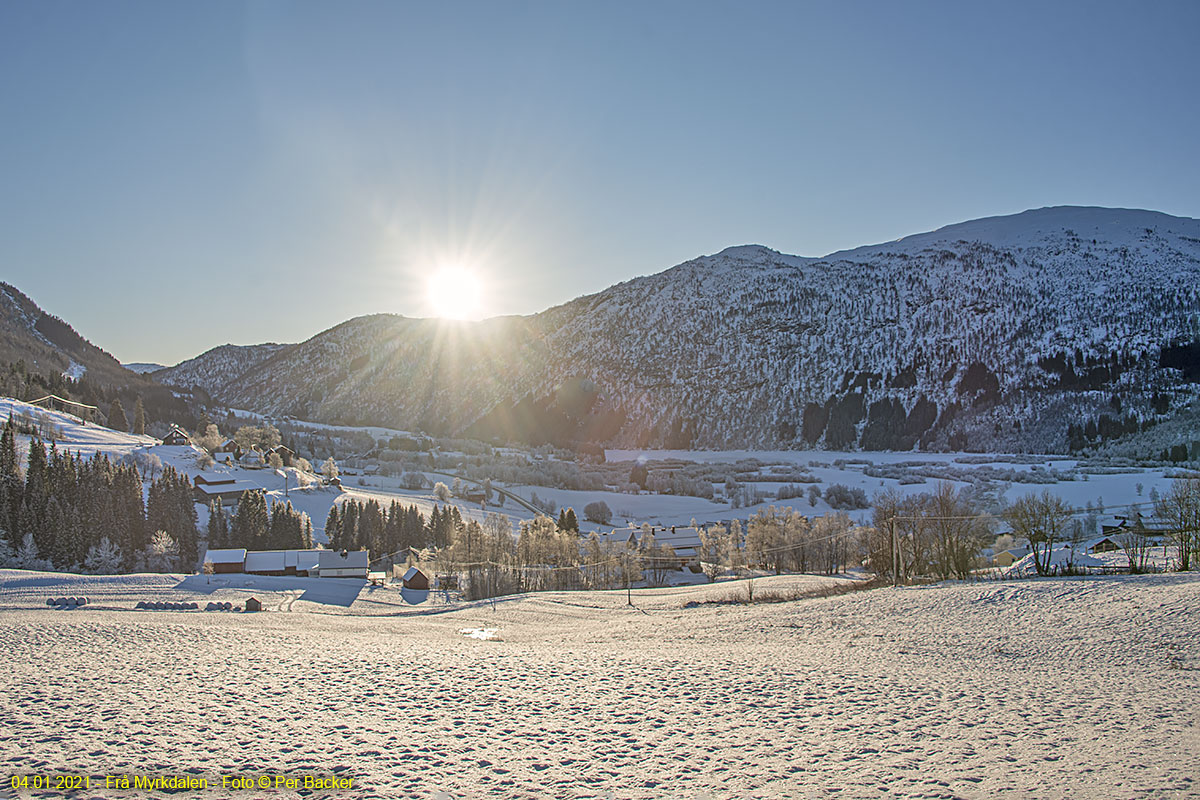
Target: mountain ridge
[(1053, 316)]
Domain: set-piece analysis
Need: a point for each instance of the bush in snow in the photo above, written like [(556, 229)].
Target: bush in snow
[(841, 496), (441, 491)]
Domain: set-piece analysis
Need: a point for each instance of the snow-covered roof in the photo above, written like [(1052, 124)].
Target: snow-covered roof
[(226, 488), (332, 559), (266, 560), (235, 555), (619, 536), (412, 573), (213, 478), (307, 560), (1090, 543), (684, 541)]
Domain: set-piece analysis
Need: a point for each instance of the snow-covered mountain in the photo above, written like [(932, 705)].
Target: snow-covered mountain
[(1014, 332), (48, 345), (213, 369)]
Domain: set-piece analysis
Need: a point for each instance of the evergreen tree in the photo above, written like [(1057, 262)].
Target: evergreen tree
[(392, 527), (128, 515), (371, 528), (37, 496), (116, 416), (169, 508), (307, 541), (333, 528), (349, 529), (434, 526), (250, 521), (413, 531), (287, 527), (11, 484), (572, 524), (218, 526), (139, 418)]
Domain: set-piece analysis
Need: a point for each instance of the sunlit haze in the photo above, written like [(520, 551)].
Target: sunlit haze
[(455, 292)]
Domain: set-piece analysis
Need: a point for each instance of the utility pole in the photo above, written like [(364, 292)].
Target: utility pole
[(628, 566), (895, 553)]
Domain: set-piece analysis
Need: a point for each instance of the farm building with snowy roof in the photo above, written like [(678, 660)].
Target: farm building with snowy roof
[(343, 564), (177, 436)]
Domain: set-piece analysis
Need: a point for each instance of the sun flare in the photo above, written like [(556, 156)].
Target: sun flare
[(454, 292)]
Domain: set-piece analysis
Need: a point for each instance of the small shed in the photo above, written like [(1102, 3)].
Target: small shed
[(253, 604), (1006, 558), (415, 579)]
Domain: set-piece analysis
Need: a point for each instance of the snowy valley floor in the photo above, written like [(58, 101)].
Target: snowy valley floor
[(1058, 688)]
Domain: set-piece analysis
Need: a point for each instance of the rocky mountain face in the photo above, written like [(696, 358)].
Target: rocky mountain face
[(1046, 330), (213, 369)]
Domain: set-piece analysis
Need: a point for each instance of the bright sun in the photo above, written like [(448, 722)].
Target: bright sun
[(454, 292)]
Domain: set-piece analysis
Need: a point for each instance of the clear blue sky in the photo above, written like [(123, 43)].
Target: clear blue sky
[(180, 175)]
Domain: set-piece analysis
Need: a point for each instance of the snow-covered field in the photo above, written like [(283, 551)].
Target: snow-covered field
[(1055, 688)]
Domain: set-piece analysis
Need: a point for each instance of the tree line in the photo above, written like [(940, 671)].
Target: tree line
[(67, 512), (253, 527)]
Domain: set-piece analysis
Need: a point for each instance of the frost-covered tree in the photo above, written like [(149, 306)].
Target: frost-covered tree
[(162, 555), (27, 556), (441, 491), (103, 558), (714, 550), (210, 438), (330, 469)]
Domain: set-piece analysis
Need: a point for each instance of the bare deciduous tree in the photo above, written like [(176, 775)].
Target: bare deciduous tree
[(1180, 510), (1040, 520)]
